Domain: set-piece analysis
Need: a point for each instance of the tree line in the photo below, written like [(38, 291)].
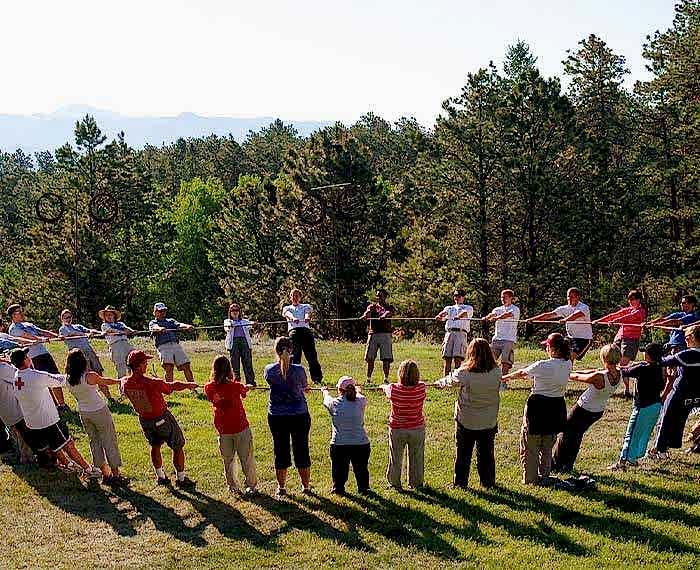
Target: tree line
[(520, 183)]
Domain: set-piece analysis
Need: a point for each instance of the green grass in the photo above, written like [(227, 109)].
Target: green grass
[(650, 515)]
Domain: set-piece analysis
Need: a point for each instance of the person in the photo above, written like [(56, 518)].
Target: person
[(646, 405), (406, 425), (588, 409), (170, 353), (76, 336), (349, 441), (226, 392), (239, 344), (545, 410), (506, 318), (95, 416), (476, 413), (9, 342), (379, 331), (681, 397), (298, 315), (288, 416), (457, 326), (688, 315), (41, 357), (576, 315), (11, 413), (157, 422), (116, 334), (47, 432), (628, 335)]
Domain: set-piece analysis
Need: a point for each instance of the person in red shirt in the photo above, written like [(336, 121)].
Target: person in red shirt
[(406, 425), (226, 395), (629, 333), (158, 424)]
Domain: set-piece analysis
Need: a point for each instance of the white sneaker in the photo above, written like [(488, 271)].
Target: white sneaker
[(71, 467), (92, 472)]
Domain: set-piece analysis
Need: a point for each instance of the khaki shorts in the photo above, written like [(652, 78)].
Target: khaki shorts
[(504, 349), (379, 342), (628, 347), (172, 353), (454, 344)]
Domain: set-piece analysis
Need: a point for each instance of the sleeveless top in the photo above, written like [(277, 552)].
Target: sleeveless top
[(86, 395), (595, 400)]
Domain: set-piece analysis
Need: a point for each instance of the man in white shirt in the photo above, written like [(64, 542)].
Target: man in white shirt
[(11, 413), (580, 334), (298, 315), (506, 318), (46, 430), (457, 325)]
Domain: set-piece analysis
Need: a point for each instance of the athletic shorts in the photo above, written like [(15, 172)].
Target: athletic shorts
[(454, 345), (54, 437), (172, 353), (45, 363), (580, 346), (164, 429), (504, 349), (379, 342), (628, 347)]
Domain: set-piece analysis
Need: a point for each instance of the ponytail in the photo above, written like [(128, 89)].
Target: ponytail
[(283, 349), (350, 393), (285, 360)]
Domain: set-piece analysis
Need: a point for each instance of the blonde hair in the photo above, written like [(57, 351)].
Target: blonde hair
[(408, 373), (610, 354), (283, 350), (693, 331)]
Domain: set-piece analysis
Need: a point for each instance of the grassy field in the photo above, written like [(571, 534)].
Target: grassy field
[(650, 515)]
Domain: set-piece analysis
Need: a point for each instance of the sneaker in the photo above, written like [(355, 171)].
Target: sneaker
[(334, 491), (163, 481), (281, 492), (307, 490), (251, 492), (116, 481), (368, 381), (92, 472), (185, 483)]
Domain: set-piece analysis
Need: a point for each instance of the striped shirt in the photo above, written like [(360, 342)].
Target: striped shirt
[(406, 405)]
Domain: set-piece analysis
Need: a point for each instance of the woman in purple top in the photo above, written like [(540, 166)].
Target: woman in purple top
[(288, 416)]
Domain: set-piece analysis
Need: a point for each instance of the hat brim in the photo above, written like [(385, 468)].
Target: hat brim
[(544, 343), (117, 314)]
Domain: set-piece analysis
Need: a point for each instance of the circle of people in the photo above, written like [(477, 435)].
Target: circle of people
[(666, 390)]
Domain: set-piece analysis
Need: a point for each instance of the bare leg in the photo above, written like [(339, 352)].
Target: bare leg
[(281, 475), (72, 452), (305, 476), (624, 361), (156, 457), (179, 459), (386, 366), (187, 371), (168, 372), (446, 366), (370, 368), (458, 362), (106, 471)]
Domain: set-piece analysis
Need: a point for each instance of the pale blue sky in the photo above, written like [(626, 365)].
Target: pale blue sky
[(303, 59)]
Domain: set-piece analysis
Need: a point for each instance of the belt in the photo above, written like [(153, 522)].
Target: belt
[(457, 330)]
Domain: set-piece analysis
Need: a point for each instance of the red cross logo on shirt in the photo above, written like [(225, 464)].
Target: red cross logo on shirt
[(19, 383)]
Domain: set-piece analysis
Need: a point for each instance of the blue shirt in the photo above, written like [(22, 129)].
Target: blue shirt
[(286, 396), (677, 338), (81, 343), (6, 342), (16, 329), (348, 419), (165, 337)]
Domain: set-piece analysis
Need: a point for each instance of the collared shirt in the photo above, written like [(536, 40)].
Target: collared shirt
[(74, 329), (17, 329), (32, 392), (299, 312), (507, 329), (575, 329), (164, 337), (119, 327), (452, 322)]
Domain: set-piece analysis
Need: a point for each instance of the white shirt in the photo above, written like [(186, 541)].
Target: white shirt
[(575, 329), (594, 400), (31, 388), (550, 377), (10, 412), (86, 395), (299, 312), (452, 311), (507, 329)]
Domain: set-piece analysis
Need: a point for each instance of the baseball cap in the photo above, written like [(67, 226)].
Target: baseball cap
[(12, 308), (137, 358), (344, 382), (552, 338), (160, 307), (654, 350), (17, 356)]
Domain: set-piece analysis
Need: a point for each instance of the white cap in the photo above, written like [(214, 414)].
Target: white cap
[(160, 307), (344, 382)]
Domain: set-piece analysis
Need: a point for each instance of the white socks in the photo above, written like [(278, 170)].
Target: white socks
[(160, 472)]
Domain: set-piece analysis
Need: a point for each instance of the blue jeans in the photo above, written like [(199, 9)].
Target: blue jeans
[(639, 428)]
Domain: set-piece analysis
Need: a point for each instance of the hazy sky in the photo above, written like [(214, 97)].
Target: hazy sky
[(301, 59)]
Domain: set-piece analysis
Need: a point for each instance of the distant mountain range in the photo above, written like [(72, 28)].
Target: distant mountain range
[(49, 131)]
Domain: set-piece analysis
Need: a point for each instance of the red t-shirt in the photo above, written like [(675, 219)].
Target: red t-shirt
[(229, 414), (406, 405), (146, 395)]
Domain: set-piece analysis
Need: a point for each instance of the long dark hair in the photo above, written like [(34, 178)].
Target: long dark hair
[(76, 365), (350, 393), (221, 370), (560, 346)]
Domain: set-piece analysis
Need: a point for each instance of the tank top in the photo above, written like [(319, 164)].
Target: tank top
[(595, 400), (86, 395)]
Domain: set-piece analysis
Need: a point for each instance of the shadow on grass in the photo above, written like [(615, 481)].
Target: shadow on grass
[(606, 525)]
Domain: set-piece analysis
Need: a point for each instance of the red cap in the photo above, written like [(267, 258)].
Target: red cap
[(549, 339), (137, 358)]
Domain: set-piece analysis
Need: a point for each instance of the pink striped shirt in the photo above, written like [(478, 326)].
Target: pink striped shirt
[(406, 405)]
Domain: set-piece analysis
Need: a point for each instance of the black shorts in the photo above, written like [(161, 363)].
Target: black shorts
[(164, 429), (580, 346), (296, 428), (54, 437), (45, 363)]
